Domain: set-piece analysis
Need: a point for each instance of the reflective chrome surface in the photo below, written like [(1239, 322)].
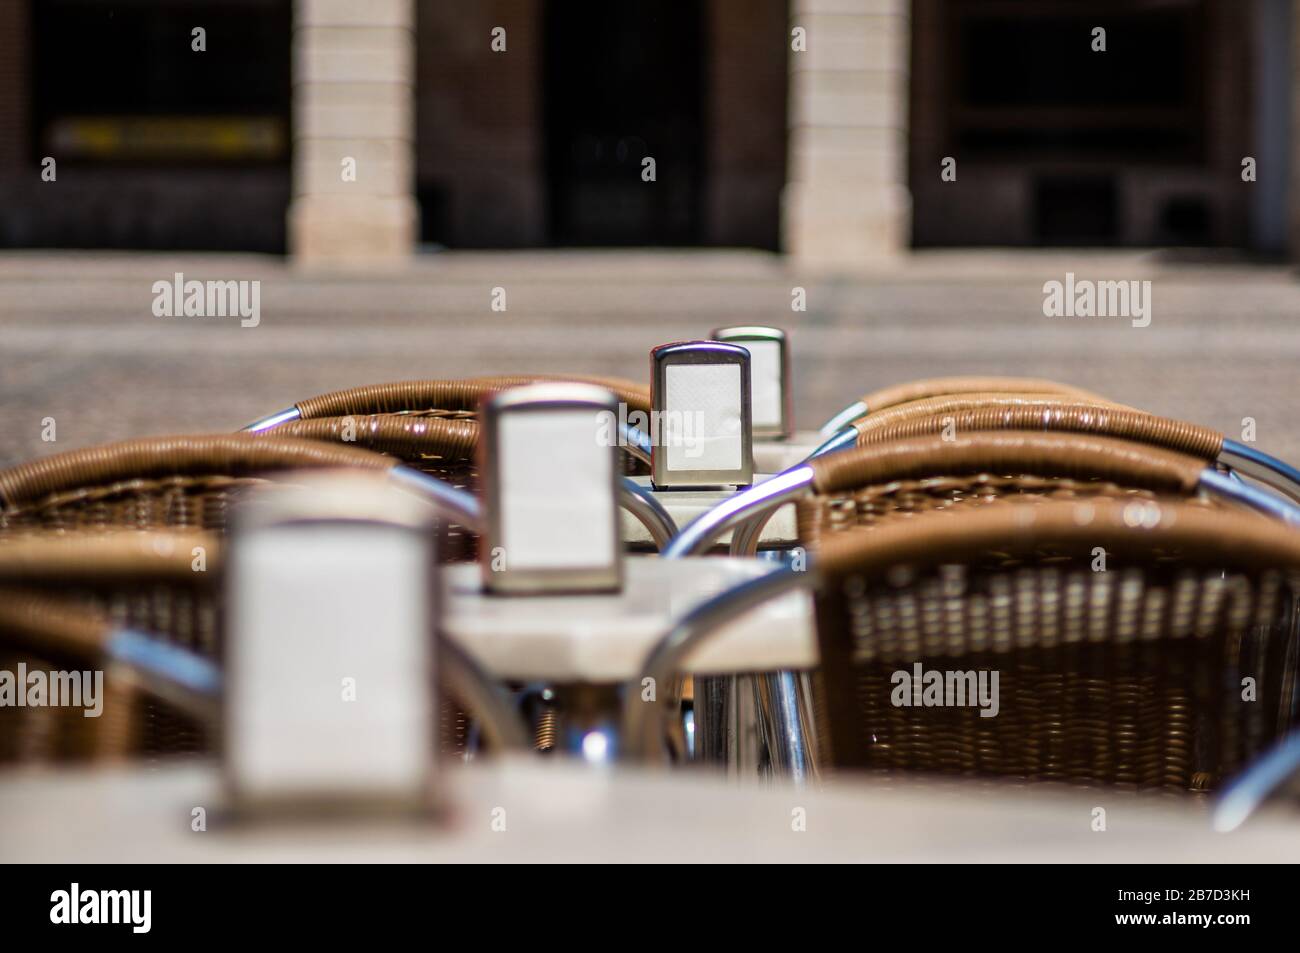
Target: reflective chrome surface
[(843, 419), (839, 441), (643, 504), (787, 725), (699, 354), (453, 503), (1220, 484), (760, 498), (635, 442), (266, 423), (1262, 466), (1243, 795), (176, 675), (644, 721)]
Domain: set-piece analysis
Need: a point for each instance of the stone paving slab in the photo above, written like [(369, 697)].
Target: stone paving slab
[(80, 343)]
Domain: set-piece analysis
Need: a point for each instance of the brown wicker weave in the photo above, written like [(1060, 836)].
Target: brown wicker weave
[(910, 391), (60, 596), (442, 447), (988, 411), (456, 400), (888, 481), (1129, 676), (449, 398), (155, 482)]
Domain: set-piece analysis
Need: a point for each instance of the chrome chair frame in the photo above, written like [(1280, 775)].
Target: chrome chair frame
[(1250, 789), (781, 701), (644, 723)]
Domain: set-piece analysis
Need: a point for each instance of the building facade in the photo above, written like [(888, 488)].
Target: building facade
[(836, 131)]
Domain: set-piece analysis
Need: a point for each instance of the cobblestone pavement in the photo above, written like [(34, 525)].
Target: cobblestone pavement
[(79, 341)]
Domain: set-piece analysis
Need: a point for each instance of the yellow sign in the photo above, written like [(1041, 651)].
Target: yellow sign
[(168, 137)]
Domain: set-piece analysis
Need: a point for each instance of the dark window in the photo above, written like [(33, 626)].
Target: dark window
[(623, 81), (121, 82)]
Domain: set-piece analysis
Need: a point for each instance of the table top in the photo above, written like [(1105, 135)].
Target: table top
[(685, 505), (773, 456), (606, 637), (562, 810)]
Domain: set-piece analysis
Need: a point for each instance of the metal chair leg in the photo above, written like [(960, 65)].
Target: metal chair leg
[(787, 722)]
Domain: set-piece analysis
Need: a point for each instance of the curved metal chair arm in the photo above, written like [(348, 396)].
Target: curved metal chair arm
[(178, 676), (758, 505), (643, 722), (1262, 466), (272, 421), (842, 440), (1221, 484), (842, 419), (483, 697), (642, 504), (1245, 793), (696, 538), (635, 442), (894, 394), (455, 504)]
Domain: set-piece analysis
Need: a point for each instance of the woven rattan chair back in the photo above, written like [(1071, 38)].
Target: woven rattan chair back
[(456, 400), (185, 482), (887, 481), (443, 447), (62, 595), (910, 391), (60, 598), (974, 412), (1140, 643)]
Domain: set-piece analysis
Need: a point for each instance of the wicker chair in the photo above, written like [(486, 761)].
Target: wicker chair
[(163, 484), (910, 391), (996, 410), (433, 427), (157, 482), (62, 598), (1130, 676), (905, 475), (447, 400), (131, 604), (885, 483)]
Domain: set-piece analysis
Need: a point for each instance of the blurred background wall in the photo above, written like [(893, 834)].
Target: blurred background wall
[(830, 151)]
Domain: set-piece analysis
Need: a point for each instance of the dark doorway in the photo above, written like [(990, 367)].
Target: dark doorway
[(623, 82), (1097, 122)]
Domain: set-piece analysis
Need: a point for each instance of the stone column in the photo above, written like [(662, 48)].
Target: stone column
[(353, 99), (1293, 185), (846, 201)]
